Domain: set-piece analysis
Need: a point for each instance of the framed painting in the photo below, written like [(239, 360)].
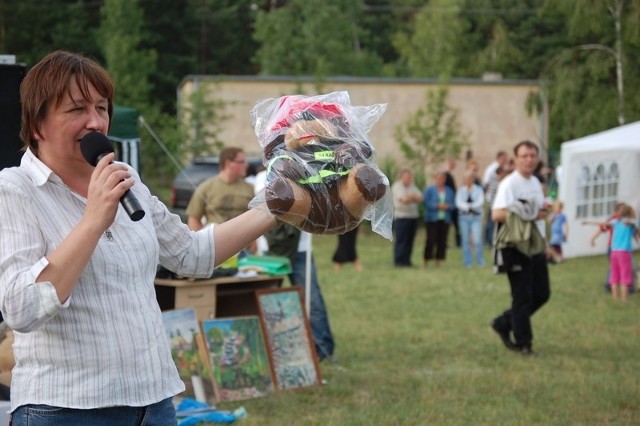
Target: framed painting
[(238, 358), (189, 353), (288, 338)]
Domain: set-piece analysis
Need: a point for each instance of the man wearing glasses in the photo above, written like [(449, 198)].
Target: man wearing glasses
[(224, 196)]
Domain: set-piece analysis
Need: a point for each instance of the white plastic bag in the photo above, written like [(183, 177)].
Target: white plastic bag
[(321, 172)]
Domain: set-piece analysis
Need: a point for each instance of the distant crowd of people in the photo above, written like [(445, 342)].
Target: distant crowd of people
[(465, 208), (511, 196), (444, 204)]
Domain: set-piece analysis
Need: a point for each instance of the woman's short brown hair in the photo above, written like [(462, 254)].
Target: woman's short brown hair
[(48, 81)]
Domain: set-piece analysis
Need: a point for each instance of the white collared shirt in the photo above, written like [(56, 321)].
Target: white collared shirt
[(106, 345)]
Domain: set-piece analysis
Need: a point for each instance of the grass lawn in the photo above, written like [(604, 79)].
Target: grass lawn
[(414, 347)]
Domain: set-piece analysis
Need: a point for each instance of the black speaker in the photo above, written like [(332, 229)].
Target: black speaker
[(10, 78)]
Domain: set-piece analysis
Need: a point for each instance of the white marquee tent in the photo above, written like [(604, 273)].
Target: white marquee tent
[(596, 172)]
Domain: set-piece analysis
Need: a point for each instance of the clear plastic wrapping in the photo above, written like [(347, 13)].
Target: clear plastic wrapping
[(321, 174)]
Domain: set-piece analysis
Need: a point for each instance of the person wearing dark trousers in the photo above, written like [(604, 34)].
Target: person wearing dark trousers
[(530, 290), (451, 183), (346, 251), (439, 202), (406, 200), (318, 316), (527, 272)]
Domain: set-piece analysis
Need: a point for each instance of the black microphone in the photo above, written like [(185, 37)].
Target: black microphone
[(94, 146)]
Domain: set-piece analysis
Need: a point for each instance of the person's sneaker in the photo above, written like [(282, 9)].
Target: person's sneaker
[(504, 336)]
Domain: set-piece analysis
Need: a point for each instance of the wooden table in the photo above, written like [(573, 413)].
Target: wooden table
[(214, 298)]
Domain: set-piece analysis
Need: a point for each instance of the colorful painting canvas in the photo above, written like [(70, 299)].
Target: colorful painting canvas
[(238, 358), (288, 337), (189, 353)]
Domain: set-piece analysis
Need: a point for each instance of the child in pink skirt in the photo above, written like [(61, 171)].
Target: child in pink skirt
[(620, 260)]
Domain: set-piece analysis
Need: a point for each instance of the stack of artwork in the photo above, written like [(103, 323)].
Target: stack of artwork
[(236, 358)]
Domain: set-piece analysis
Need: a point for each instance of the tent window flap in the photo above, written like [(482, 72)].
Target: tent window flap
[(597, 190)]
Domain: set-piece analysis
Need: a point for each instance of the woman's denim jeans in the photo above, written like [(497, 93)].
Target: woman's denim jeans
[(471, 232), (162, 413)]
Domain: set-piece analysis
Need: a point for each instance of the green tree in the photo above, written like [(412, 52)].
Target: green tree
[(500, 53), (313, 37), (171, 29), (512, 37), (588, 81), (432, 47), (225, 43), (378, 23), (121, 39), (433, 133), (31, 28), (201, 117)]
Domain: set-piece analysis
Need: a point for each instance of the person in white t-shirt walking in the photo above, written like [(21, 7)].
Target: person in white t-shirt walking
[(528, 275)]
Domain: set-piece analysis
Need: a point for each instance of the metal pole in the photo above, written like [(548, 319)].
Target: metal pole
[(307, 277)]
